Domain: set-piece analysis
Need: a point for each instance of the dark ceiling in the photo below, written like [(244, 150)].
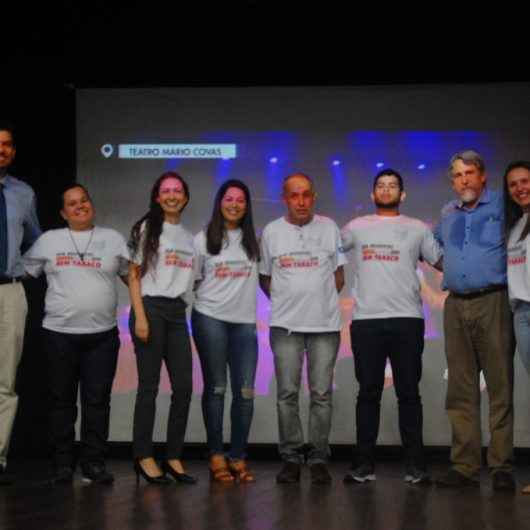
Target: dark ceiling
[(238, 42)]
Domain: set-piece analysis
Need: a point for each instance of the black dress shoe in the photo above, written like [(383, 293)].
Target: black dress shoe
[(95, 472), (503, 481), (455, 479), (183, 478), (289, 474), (63, 475), (6, 479), (320, 473)]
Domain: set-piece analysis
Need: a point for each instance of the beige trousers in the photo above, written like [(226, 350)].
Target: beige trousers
[(13, 311), (479, 336)]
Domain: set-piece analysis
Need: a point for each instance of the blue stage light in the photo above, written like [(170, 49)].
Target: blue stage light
[(273, 160), (379, 165), (335, 163), (422, 166)]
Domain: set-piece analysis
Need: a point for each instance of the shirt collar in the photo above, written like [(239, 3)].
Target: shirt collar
[(299, 226), (5, 180)]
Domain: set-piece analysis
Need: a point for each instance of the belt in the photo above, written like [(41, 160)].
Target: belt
[(479, 292), (4, 280)]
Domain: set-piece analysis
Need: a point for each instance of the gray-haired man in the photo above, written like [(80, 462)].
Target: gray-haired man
[(477, 324)]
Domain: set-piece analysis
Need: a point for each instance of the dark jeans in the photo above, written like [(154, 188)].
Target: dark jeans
[(89, 359), (221, 344), (400, 340), (168, 341)]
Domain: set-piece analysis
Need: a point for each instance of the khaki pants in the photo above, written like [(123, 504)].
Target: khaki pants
[(13, 310), (479, 336)]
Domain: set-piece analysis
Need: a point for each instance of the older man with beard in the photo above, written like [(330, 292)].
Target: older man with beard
[(477, 324)]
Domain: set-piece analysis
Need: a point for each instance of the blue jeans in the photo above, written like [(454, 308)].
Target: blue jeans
[(521, 326), (221, 344), (289, 349)]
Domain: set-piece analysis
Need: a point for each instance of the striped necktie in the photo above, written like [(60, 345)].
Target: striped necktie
[(3, 231)]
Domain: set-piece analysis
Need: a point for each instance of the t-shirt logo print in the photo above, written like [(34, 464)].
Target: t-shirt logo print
[(298, 260), (516, 255), (71, 259), (232, 269), (178, 258), (380, 253)]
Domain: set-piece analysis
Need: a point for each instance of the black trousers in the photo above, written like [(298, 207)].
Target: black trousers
[(169, 342), (89, 361), (401, 340)]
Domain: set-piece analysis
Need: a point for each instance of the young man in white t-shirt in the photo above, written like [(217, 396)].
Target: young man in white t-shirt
[(388, 321), (301, 270)]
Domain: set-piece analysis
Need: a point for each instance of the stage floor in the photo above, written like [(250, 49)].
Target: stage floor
[(386, 504)]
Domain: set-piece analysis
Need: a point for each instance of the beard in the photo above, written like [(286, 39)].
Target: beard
[(387, 205), (468, 196)]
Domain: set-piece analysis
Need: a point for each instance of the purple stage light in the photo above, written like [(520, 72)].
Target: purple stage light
[(379, 165), (273, 160), (335, 163), (422, 166)]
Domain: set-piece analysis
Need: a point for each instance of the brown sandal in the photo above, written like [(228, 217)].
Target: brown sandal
[(240, 471), (219, 471)]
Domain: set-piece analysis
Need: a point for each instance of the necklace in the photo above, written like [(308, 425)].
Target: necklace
[(82, 254)]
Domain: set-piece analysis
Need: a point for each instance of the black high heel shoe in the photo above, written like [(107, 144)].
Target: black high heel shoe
[(140, 472), (183, 478)]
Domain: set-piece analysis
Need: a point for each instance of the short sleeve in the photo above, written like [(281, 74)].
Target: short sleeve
[(123, 254), (347, 239), (199, 249), (339, 258), (430, 248), (265, 265), (34, 259)]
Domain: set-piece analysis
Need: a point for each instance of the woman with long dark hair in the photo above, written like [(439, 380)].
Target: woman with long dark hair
[(517, 217), (224, 325), (160, 277)]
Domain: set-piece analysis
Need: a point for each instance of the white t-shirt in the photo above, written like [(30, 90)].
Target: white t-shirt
[(384, 258), (301, 261), (229, 281), (175, 265), (82, 294), (518, 273)]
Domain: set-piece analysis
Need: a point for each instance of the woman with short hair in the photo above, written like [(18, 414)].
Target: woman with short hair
[(81, 263)]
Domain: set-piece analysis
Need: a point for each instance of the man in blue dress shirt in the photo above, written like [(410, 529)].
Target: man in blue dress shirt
[(477, 325), (18, 226)]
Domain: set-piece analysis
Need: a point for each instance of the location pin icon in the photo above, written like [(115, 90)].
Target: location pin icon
[(107, 150)]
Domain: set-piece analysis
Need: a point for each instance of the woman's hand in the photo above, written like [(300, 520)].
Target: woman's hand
[(141, 329)]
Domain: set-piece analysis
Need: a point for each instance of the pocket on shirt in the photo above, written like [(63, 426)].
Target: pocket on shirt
[(492, 231)]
